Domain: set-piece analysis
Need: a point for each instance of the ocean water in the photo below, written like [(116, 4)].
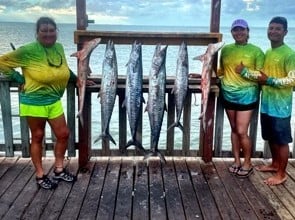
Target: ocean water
[(22, 33)]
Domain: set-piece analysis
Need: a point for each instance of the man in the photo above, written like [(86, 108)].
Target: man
[(278, 79)]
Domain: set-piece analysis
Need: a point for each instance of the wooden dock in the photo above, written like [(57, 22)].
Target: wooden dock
[(131, 188)]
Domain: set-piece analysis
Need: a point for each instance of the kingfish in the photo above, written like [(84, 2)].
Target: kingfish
[(84, 71), (133, 94), (207, 60), (108, 90), (156, 98), (180, 84)]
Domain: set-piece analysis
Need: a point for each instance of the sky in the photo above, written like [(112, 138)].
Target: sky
[(149, 12)]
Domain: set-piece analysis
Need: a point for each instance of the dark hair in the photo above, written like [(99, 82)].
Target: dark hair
[(280, 20), (44, 20)]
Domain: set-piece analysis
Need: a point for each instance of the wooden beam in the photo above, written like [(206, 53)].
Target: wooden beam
[(148, 38)]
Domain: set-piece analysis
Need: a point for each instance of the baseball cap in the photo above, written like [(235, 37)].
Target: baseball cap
[(239, 23)]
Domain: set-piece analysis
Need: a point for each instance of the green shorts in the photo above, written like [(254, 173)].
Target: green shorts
[(44, 111)]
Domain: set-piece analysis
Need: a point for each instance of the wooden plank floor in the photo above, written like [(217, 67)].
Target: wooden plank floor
[(130, 188)]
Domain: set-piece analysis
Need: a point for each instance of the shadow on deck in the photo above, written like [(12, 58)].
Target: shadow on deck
[(130, 188)]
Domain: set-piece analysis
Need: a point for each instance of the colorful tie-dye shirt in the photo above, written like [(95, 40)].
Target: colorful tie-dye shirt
[(276, 99), (45, 72), (234, 87)]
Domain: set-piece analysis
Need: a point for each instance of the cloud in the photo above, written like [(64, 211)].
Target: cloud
[(152, 12), (29, 11), (108, 19), (2, 8)]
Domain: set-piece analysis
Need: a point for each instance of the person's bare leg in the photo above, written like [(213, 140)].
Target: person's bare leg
[(37, 126), (231, 114), (282, 158), (242, 123), (273, 167), (61, 132)]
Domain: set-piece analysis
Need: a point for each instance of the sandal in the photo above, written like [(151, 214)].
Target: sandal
[(242, 172), (65, 176), (45, 183), (234, 168)]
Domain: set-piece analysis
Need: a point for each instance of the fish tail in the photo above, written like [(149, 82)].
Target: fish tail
[(111, 138), (97, 139), (176, 124), (105, 136), (135, 143)]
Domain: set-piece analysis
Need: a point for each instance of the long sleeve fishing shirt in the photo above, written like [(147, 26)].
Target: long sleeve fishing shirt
[(45, 72), (279, 66), (234, 87)]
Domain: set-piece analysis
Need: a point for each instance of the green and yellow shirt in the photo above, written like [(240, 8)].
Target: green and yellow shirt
[(45, 72), (276, 97), (234, 87)]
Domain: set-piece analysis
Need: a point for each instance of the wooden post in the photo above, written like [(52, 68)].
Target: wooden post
[(82, 20), (206, 137), (6, 117), (83, 143), (71, 118), (215, 15), (85, 133)]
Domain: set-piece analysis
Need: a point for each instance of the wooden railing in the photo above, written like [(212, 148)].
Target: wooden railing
[(11, 143)]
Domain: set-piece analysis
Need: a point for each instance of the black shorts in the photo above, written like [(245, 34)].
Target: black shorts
[(238, 107), (276, 130)]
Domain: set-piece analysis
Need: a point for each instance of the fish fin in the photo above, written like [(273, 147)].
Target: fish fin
[(74, 54), (200, 57)]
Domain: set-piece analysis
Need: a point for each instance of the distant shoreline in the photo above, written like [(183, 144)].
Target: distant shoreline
[(131, 25)]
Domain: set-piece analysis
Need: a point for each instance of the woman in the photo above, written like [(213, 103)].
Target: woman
[(45, 77), (239, 95)]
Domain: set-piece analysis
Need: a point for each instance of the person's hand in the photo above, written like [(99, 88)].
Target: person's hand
[(239, 68), (262, 78)]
